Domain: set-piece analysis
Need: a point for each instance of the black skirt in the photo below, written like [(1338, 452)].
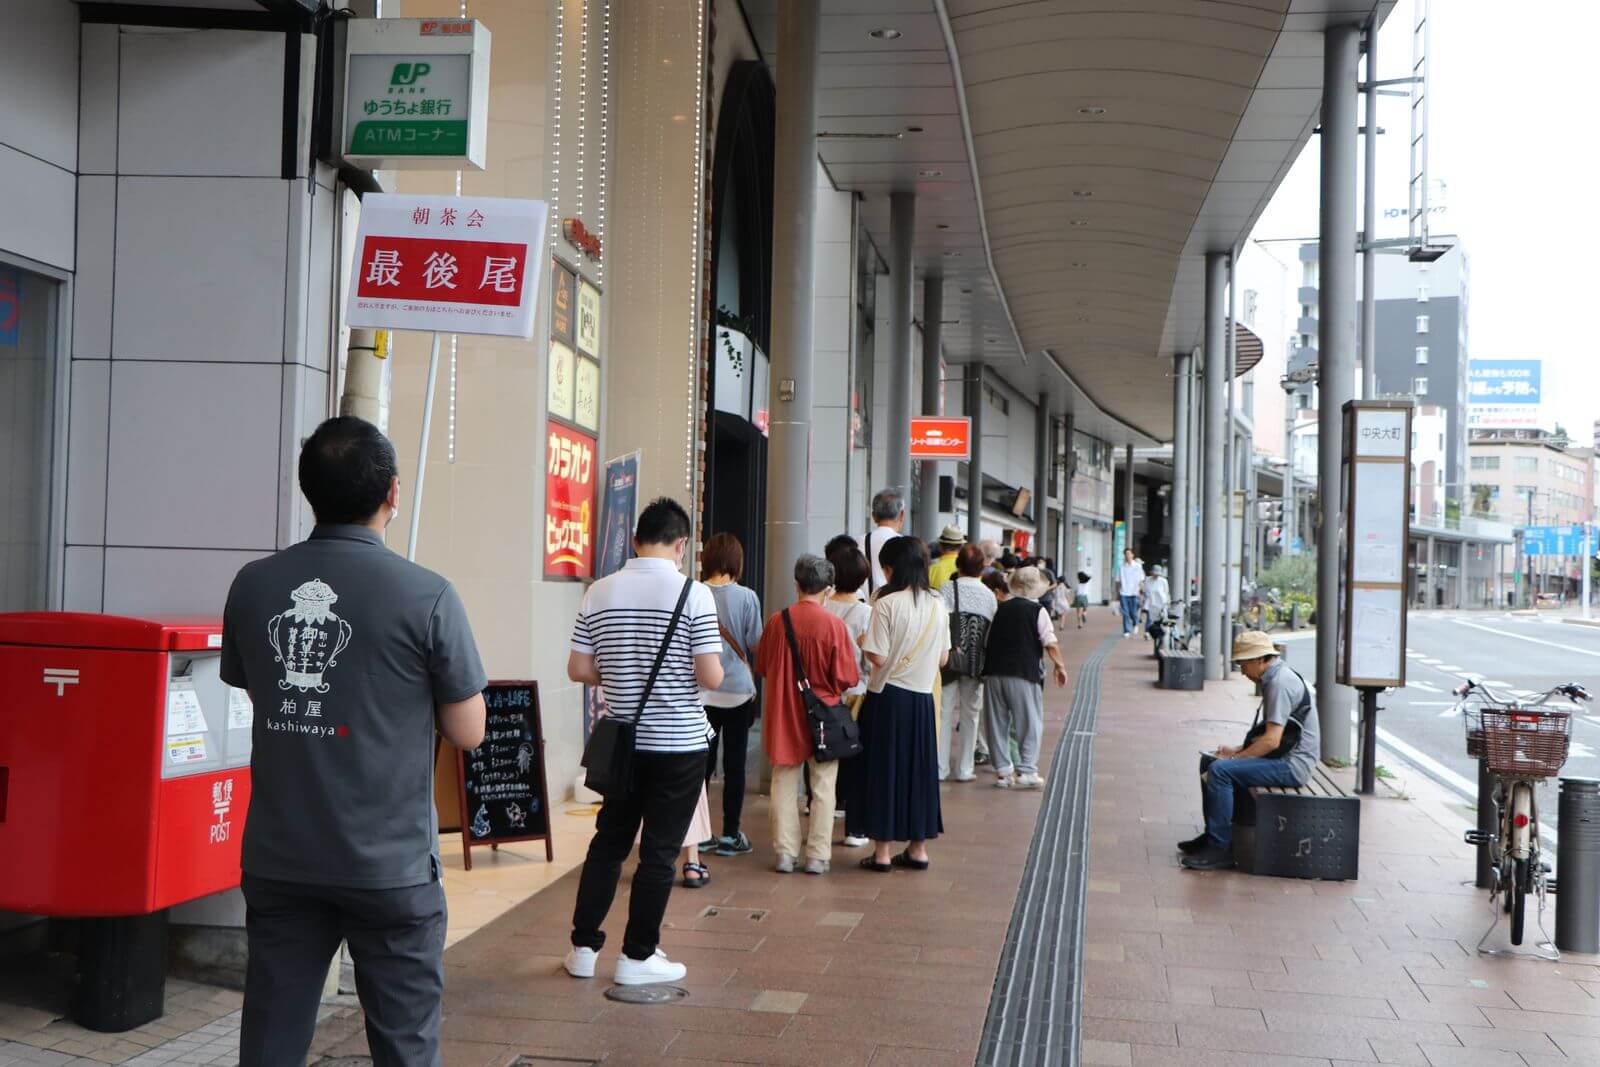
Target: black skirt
[(899, 776)]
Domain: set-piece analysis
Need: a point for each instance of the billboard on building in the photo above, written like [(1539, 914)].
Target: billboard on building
[(1504, 394)]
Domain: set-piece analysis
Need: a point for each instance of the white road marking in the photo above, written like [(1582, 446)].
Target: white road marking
[(1534, 640), (1442, 774), (1430, 661), (1429, 686), (1450, 668)]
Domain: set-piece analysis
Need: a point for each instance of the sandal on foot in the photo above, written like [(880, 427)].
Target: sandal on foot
[(903, 859), (695, 875), (870, 864)]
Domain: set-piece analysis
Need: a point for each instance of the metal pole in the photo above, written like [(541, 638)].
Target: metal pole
[(1588, 554), (1127, 502), (902, 235), (1369, 223), (975, 406), (422, 449), (1369, 741), (1336, 335), (1427, 597), (1068, 559), (927, 522), (1213, 533), (1196, 507), (1488, 823), (1231, 546), (1180, 476), (794, 211), (1041, 478), (1290, 526)]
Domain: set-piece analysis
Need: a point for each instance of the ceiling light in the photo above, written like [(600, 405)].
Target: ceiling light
[(1091, 110), (991, 340), (1080, 222), (1083, 318), (953, 253), (884, 33), (1083, 193), (929, 173), (941, 225), (1077, 265), (913, 129), (966, 292)]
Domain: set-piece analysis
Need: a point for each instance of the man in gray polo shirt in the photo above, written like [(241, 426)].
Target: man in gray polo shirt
[(352, 657)]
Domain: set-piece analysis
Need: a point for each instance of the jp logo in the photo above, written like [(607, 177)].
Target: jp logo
[(409, 73), (308, 638)]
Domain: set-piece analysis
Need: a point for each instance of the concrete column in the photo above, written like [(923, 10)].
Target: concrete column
[(1336, 339), (975, 408), (1067, 557), (902, 231), (1196, 508), (1369, 224), (794, 208), (1180, 475), (1230, 542), (1041, 478), (1252, 525), (925, 517), (1127, 501), (1213, 534), (1428, 585)]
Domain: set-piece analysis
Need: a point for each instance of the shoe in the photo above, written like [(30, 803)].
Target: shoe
[(695, 876), (1211, 858), (871, 864), (657, 968), (1029, 781), (815, 866), (1194, 844), (580, 962), (1125, 636), (737, 845), (980, 759), (854, 841), (709, 844), (1005, 781), (785, 864), (903, 859)]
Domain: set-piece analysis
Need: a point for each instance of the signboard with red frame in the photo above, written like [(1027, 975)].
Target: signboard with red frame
[(569, 498), (941, 438)]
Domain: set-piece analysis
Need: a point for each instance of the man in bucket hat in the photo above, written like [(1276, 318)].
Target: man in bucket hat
[(1280, 749), (944, 568)]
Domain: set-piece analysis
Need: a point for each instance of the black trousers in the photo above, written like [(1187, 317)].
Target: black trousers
[(732, 726), (396, 938), (665, 791)]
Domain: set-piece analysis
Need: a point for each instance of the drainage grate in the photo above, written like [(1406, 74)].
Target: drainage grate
[(545, 1061), (733, 916), (1036, 1010), (646, 994)]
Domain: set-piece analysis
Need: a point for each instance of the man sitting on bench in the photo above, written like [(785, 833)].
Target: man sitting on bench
[(1281, 749)]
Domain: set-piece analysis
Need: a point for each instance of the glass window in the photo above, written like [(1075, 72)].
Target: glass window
[(1422, 324), (1527, 465), (1419, 386), (1422, 353), (1422, 294), (27, 431)]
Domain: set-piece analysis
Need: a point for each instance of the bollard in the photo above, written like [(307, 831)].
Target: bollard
[(1488, 822), (1578, 867)]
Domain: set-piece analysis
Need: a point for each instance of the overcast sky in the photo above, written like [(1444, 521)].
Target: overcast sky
[(1513, 94)]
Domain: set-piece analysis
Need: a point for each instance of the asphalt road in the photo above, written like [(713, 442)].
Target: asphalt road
[(1520, 654)]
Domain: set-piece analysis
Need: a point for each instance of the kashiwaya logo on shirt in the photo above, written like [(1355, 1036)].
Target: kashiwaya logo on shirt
[(307, 640)]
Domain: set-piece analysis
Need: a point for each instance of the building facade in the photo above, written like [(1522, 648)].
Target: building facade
[(1533, 478)]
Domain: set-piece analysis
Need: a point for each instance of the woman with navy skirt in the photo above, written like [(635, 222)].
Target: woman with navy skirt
[(907, 641)]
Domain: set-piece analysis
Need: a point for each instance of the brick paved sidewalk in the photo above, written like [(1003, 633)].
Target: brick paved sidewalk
[(1225, 968)]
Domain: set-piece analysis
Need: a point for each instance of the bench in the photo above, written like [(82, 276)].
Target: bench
[(1180, 669), (1313, 831)]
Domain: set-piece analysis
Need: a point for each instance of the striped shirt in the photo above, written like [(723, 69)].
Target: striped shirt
[(621, 623)]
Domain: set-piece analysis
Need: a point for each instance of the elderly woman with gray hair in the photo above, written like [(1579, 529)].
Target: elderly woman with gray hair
[(1019, 639), (828, 660)]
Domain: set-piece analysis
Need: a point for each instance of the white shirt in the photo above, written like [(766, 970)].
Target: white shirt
[(621, 623), (1130, 576), (976, 598), (877, 537), (1156, 594), (912, 633), (856, 615)]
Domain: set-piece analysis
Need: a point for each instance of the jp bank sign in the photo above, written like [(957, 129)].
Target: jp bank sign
[(409, 73)]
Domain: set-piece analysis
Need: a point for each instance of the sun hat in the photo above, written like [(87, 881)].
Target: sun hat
[(1159, 571), (953, 535), (1253, 644), (1028, 582)]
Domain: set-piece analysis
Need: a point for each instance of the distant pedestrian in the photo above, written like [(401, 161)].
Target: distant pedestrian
[(972, 606), (943, 569), (1130, 578), (630, 619), (908, 640), (1014, 680), (889, 519), (849, 575), (1080, 598), (1154, 596), (731, 708), (352, 657), (829, 665)]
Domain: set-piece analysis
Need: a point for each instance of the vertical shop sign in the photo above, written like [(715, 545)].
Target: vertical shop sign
[(559, 398), (10, 307), (563, 295), (569, 491), (619, 506), (588, 337)]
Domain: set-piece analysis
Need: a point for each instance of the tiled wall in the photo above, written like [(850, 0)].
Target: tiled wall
[(191, 384)]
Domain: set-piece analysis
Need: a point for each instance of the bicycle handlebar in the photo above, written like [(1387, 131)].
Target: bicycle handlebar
[(1570, 690)]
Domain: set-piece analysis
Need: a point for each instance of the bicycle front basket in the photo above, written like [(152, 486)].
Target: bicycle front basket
[(1529, 743)]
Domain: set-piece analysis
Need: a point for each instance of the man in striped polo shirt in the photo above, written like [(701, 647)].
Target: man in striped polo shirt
[(621, 626)]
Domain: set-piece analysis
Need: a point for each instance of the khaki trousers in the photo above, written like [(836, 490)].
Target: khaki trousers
[(785, 810)]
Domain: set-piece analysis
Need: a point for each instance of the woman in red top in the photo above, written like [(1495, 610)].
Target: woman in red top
[(828, 657)]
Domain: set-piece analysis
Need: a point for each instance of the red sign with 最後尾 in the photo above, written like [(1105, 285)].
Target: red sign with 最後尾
[(569, 488), (941, 438)]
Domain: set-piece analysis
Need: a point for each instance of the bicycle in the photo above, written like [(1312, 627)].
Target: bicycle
[(1522, 742)]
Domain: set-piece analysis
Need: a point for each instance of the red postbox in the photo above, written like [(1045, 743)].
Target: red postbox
[(124, 764)]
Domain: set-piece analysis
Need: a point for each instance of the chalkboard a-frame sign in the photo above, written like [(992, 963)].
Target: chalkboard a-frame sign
[(503, 792)]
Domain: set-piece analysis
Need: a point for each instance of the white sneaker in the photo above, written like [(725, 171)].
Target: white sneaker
[(1029, 781), (1005, 781), (580, 962), (785, 864), (648, 971), (816, 866), (851, 841)]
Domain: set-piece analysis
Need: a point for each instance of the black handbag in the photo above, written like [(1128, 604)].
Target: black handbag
[(834, 734), (608, 755), (969, 638)]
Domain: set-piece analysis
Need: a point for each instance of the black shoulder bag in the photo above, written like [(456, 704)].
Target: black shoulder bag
[(969, 639), (1291, 728), (608, 756), (834, 734)]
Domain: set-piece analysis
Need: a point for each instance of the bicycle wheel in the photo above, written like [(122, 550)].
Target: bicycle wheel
[(1519, 899)]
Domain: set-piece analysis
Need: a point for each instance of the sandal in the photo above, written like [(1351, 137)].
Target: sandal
[(695, 875), (870, 864), (903, 859)]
